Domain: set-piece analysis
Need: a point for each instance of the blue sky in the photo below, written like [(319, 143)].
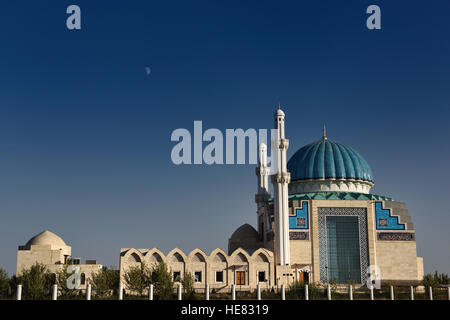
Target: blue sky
[(85, 132)]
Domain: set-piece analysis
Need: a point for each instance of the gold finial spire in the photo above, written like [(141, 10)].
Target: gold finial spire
[(278, 106), (324, 133)]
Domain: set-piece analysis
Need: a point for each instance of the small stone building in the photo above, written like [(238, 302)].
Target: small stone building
[(50, 250)]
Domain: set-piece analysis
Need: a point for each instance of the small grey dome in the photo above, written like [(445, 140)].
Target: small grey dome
[(245, 232)]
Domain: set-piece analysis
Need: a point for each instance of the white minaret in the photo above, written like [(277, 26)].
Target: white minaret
[(262, 171), (262, 195), (280, 179)]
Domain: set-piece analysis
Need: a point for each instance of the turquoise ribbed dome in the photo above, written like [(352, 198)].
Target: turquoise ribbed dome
[(325, 159)]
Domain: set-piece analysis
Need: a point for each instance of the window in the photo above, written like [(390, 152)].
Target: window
[(219, 276), (83, 278), (261, 276), (177, 276), (73, 260), (198, 276)]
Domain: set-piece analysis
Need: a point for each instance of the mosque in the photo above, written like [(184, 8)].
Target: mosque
[(321, 224)]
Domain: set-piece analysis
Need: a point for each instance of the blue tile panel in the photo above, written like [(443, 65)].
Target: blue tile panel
[(300, 220), (325, 159), (385, 221)]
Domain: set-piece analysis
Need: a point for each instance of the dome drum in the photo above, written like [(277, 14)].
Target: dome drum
[(323, 185)]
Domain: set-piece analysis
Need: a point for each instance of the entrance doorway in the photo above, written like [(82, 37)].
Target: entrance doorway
[(240, 278), (303, 277), (343, 249)]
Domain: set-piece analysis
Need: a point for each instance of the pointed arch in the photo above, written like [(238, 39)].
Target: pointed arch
[(176, 255), (262, 255), (240, 256), (154, 256), (219, 254), (133, 256), (197, 255)]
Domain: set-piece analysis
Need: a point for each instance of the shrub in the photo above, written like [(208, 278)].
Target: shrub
[(296, 291)]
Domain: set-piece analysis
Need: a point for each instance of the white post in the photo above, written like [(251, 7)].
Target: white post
[(371, 292), (411, 292), (430, 292), (350, 292), (19, 292), (233, 292), (258, 292), (55, 292), (328, 292), (207, 292), (392, 293), (306, 292), (88, 292), (448, 292), (180, 293), (120, 291), (150, 292), (283, 292)]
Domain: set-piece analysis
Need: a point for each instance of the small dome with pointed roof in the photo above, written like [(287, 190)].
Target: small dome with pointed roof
[(245, 237)]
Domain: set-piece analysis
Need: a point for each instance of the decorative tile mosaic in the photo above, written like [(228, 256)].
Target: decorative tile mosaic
[(361, 213), (298, 235), (395, 236), (385, 221), (334, 194), (300, 220)]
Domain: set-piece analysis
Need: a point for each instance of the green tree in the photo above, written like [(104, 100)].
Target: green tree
[(430, 281), (61, 280), (188, 285), (162, 280), (137, 278), (442, 278), (36, 282), (4, 282), (105, 281)]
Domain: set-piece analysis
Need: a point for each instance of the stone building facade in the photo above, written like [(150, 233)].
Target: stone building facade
[(218, 269)]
